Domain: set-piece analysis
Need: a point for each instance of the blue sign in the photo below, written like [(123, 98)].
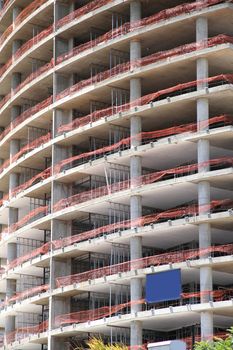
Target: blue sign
[(163, 286)]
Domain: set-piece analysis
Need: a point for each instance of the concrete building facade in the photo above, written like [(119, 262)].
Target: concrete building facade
[(116, 162)]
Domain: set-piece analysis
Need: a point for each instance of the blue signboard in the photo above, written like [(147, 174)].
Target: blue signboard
[(163, 286)]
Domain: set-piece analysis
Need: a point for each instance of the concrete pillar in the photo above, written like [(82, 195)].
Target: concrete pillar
[(15, 112), (136, 288), (16, 44), (61, 117), (206, 282), (16, 80), (10, 284), (16, 11)]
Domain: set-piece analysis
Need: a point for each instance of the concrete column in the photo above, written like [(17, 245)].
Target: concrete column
[(61, 117), (15, 46), (15, 112), (15, 81), (135, 172), (16, 11), (206, 282), (10, 285)]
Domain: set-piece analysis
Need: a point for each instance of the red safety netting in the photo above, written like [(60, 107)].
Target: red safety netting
[(32, 7), (26, 115), (107, 112), (40, 211), (168, 215), (91, 6), (162, 15), (25, 294), (160, 259), (25, 47), (25, 332), (5, 7), (38, 177), (142, 180), (143, 137), (44, 249), (126, 66), (94, 314), (25, 149), (107, 311)]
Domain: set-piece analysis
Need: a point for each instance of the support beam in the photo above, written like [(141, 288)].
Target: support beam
[(135, 172), (203, 150)]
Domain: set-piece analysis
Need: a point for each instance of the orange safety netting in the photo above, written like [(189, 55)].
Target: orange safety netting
[(26, 114), (124, 67), (169, 214), (44, 249), (38, 177), (91, 6), (107, 112), (107, 311), (94, 314), (162, 15), (127, 27), (141, 180), (25, 294), (32, 7), (25, 220), (25, 149), (144, 136), (25, 332), (156, 260)]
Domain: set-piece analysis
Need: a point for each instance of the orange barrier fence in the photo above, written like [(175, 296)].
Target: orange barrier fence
[(107, 229), (25, 149), (107, 311), (158, 56), (144, 136), (26, 114), (94, 314), (25, 220), (107, 112), (124, 67), (32, 7), (157, 260), (142, 180), (25, 332), (25, 294), (119, 69)]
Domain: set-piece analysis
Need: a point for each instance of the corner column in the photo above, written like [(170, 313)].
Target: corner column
[(135, 171), (204, 198)]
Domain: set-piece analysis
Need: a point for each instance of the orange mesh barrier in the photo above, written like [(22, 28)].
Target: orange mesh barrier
[(25, 220), (23, 15), (107, 311), (144, 136), (162, 15), (160, 259), (26, 294), (44, 249), (169, 214), (25, 332), (25, 115), (91, 6), (145, 180), (38, 177), (94, 314), (25, 149), (107, 112)]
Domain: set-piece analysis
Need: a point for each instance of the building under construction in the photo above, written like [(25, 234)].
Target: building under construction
[(116, 166)]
